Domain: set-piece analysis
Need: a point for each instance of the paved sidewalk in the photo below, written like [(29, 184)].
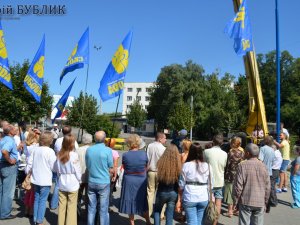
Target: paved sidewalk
[(283, 214)]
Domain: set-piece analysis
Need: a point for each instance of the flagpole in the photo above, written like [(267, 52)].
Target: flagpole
[(83, 105), (277, 73), (113, 126)]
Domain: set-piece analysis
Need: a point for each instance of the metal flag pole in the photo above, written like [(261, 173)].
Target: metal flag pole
[(83, 105), (113, 126), (277, 73)]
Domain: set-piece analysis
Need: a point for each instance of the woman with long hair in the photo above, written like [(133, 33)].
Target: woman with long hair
[(168, 172), (193, 186), (186, 144), (32, 141), (133, 198), (235, 156), (68, 170)]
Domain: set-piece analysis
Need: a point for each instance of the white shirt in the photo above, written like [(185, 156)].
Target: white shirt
[(195, 193), (58, 144), (29, 150), (154, 152), (69, 174), (81, 154), (217, 159), (55, 133), (41, 162), (277, 161)]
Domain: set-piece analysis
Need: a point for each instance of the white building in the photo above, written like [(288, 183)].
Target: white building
[(132, 91), (55, 100)]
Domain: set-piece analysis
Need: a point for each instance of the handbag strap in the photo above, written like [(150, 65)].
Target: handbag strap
[(210, 184)]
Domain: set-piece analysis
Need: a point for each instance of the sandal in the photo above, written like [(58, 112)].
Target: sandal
[(229, 215)]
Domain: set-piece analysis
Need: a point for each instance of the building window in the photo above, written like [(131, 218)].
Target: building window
[(138, 98), (128, 106), (147, 98), (129, 98), (138, 89), (129, 89), (148, 90)]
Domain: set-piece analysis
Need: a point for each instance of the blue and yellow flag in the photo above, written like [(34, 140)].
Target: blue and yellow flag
[(112, 82), (33, 81), (239, 29), (79, 55), (62, 102), (5, 76)]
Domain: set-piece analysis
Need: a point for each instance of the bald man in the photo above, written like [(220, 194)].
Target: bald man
[(99, 162)]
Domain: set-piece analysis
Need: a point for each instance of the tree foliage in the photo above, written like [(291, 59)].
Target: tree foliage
[(181, 117), (137, 115), (215, 104), (91, 122), (18, 104), (290, 87)]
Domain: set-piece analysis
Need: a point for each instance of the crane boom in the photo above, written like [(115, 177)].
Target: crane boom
[(257, 113)]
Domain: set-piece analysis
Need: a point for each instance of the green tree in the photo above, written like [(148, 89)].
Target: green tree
[(18, 104), (137, 115), (181, 117), (215, 104), (91, 122), (290, 88), (174, 84)]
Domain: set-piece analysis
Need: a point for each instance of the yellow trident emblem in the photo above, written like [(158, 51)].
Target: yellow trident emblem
[(120, 59), (240, 16), (38, 68), (246, 44), (3, 52)]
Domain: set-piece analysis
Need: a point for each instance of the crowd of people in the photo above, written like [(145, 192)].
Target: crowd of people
[(156, 180)]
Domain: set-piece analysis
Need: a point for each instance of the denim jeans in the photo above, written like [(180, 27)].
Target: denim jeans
[(40, 198), (162, 198), (98, 192), (295, 188), (8, 176), (251, 215), (54, 198), (194, 212)]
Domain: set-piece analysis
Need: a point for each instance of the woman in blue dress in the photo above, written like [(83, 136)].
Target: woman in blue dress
[(134, 184)]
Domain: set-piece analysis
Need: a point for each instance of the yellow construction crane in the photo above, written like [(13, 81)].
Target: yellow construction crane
[(257, 113)]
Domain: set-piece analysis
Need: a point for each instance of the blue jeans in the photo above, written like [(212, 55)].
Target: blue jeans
[(194, 212), (8, 176), (162, 198), (54, 198), (41, 194), (98, 192), (295, 187)]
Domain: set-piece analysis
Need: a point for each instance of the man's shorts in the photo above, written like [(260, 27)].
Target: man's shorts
[(284, 165), (218, 192)]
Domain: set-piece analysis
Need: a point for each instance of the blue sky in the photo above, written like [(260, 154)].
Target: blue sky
[(164, 32)]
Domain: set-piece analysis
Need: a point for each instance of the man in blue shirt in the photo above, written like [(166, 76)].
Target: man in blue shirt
[(8, 171), (99, 162), (267, 156)]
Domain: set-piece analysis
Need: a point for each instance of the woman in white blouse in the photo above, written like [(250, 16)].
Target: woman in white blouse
[(40, 164), (68, 171), (193, 185)]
